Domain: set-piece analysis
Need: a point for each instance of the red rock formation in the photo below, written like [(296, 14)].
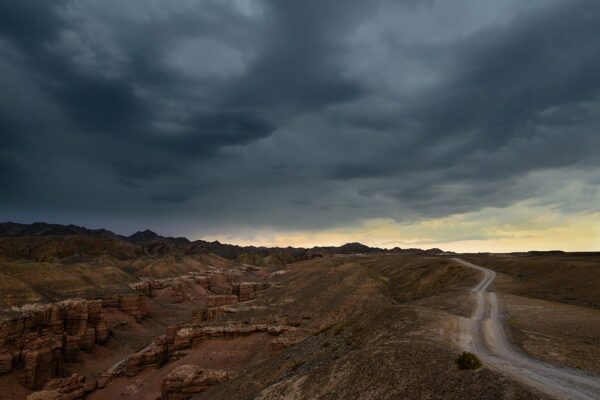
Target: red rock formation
[(71, 347), (37, 338), (202, 281), (230, 330), (247, 290), (45, 395), (177, 291), (133, 304), (102, 332), (187, 336), (5, 363), (244, 291), (42, 361), (172, 289), (104, 379), (276, 330), (219, 284), (187, 380), (207, 314), (281, 343), (72, 388), (153, 356), (184, 338), (221, 300), (168, 347)]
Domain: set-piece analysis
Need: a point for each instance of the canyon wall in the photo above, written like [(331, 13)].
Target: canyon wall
[(36, 340)]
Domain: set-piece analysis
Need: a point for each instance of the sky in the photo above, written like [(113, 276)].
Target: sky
[(468, 125)]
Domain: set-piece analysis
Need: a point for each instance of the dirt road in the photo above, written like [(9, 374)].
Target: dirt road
[(485, 336)]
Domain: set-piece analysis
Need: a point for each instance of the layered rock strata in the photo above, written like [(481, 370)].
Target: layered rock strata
[(187, 380), (247, 290), (36, 339), (178, 339), (134, 304), (71, 388)]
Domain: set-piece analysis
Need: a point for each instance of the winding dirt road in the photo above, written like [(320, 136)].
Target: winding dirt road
[(484, 335)]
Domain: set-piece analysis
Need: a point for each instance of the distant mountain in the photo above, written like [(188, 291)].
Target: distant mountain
[(153, 243), (44, 229), (352, 248), (348, 248), (412, 251), (143, 236), (149, 242), (546, 253)]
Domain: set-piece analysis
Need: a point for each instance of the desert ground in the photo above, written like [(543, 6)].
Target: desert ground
[(116, 320)]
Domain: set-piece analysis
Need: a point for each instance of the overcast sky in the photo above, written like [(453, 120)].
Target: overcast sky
[(467, 124)]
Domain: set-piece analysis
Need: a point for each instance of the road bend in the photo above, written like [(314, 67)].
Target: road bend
[(486, 337)]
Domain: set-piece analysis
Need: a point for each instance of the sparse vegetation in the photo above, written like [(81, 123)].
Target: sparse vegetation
[(297, 364), (339, 329), (323, 329), (375, 275), (468, 361)]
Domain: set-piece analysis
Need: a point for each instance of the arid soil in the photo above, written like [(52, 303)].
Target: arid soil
[(565, 279), (551, 305), (563, 334), (485, 335), (381, 331), (26, 281), (68, 347), (182, 326)]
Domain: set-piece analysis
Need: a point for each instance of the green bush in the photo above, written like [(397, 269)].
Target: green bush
[(468, 361), (297, 364)]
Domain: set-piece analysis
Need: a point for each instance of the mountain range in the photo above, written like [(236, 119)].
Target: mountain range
[(150, 242)]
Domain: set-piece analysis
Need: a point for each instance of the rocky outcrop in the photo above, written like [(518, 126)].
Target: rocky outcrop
[(45, 395), (179, 338), (280, 343), (202, 281), (42, 360), (187, 380), (37, 338), (175, 343), (221, 300), (5, 363), (248, 290), (71, 388), (172, 289), (187, 336), (130, 304), (206, 314), (219, 284), (153, 356)]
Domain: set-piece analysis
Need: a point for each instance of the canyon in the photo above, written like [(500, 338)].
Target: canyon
[(39, 341), (149, 318)]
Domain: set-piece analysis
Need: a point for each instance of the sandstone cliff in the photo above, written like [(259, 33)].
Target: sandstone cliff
[(187, 380), (38, 338)]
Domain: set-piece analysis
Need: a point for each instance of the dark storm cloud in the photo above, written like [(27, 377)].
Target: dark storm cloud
[(290, 114), (29, 22), (508, 75), (301, 66), (219, 129)]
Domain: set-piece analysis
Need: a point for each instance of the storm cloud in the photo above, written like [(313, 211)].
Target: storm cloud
[(210, 116)]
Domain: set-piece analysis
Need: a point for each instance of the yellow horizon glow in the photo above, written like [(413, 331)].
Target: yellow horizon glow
[(520, 227)]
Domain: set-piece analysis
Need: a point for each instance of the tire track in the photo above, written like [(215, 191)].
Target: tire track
[(485, 336)]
